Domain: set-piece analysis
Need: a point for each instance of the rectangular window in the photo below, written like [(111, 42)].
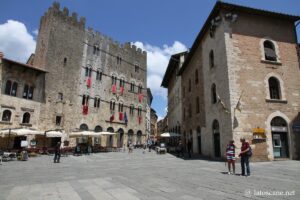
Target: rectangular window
[(121, 107), (25, 93), (136, 69), (131, 109), (60, 96), (132, 87), (58, 120), (197, 105), (190, 85)]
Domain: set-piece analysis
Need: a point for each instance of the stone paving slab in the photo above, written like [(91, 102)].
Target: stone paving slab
[(138, 176)]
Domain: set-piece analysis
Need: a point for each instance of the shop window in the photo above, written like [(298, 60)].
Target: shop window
[(6, 116), (270, 53), (274, 87), (26, 118)]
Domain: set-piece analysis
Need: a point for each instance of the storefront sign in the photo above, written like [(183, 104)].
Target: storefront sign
[(279, 129), (296, 128), (259, 130)]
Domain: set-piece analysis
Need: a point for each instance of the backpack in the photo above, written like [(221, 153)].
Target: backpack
[(249, 152)]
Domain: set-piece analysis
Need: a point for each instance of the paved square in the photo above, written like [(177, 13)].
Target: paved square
[(142, 176)]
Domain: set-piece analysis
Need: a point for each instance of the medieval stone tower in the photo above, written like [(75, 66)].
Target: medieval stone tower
[(92, 82)]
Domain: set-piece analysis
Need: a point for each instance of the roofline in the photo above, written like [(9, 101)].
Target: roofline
[(222, 5), (25, 65), (169, 70)]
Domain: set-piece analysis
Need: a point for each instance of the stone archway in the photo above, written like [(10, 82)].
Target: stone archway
[(120, 141)]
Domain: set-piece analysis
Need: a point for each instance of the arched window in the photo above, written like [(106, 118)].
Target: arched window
[(211, 59), (139, 111), (278, 121), (122, 82), (112, 105), (121, 105), (132, 86), (8, 87), (113, 79), (274, 87), (83, 127), (6, 116), (140, 89), (270, 53), (213, 93), (131, 109), (25, 92), (83, 100), (30, 92), (190, 85), (14, 89), (26, 118), (99, 75), (110, 129), (215, 127), (96, 102)]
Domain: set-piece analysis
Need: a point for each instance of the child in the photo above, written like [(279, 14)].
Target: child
[(230, 154)]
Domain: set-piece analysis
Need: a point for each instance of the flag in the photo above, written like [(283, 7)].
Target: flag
[(222, 104), (125, 118), (238, 105), (121, 90), (140, 97), (85, 110), (113, 88), (112, 118), (89, 82), (121, 116)]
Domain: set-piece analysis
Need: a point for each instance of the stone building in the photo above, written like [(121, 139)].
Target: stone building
[(172, 82), (162, 126), (92, 82), (248, 83), (153, 120), (148, 112), (21, 97)]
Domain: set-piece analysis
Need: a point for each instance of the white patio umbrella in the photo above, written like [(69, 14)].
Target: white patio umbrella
[(20, 132), (84, 133), (170, 135), (106, 133), (50, 134)]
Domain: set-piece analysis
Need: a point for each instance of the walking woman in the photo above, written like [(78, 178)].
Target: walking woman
[(230, 155)]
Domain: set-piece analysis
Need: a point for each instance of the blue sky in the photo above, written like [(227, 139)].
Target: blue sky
[(162, 27)]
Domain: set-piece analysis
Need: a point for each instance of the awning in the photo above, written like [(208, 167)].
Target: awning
[(170, 135), (20, 132), (51, 134), (85, 133)]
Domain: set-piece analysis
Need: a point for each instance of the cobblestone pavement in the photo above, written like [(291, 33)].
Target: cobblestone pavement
[(146, 176)]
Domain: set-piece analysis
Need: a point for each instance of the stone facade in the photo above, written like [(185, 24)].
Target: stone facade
[(92, 82), (172, 82), (153, 129), (231, 51)]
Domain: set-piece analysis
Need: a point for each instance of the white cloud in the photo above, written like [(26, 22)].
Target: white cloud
[(35, 32), (159, 118), (15, 41), (157, 62)]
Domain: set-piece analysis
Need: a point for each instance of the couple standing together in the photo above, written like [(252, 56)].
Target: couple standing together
[(246, 152)]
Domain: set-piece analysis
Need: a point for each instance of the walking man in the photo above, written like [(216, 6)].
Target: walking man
[(245, 157), (57, 153)]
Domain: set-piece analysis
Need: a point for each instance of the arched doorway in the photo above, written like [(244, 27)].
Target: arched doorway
[(139, 138), (130, 136), (279, 130), (109, 140), (120, 138), (97, 140), (216, 137), (83, 127)]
